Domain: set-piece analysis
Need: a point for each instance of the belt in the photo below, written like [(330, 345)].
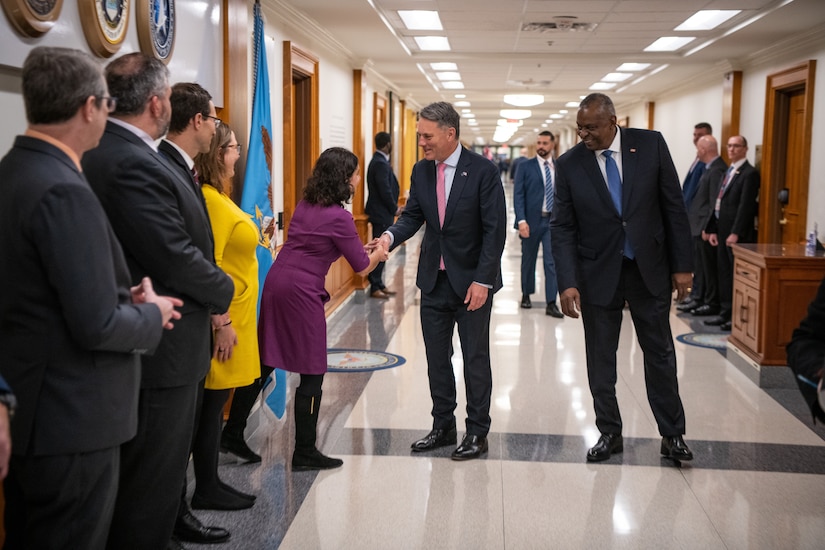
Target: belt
[(546, 214)]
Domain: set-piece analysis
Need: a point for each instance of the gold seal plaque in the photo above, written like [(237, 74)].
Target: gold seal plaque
[(156, 27), (32, 17), (104, 24)]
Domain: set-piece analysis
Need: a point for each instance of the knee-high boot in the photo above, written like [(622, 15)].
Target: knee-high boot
[(306, 455)]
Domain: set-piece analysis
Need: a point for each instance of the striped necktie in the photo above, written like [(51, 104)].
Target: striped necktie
[(548, 188)]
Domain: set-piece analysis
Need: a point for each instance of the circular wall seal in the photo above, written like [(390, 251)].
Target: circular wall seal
[(32, 17), (104, 24), (156, 27)]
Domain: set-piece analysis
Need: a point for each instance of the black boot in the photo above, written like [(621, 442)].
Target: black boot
[(306, 456)]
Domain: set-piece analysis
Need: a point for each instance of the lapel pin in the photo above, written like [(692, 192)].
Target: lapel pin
[(633, 150), (464, 174)]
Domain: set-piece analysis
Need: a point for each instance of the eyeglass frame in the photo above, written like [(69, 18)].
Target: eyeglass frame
[(111, 102), (238, 147), (218, 121)]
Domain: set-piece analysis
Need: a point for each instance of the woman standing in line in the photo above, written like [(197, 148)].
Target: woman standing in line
[(292, 324)]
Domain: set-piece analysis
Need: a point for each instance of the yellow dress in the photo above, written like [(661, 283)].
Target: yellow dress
[(236, 241)]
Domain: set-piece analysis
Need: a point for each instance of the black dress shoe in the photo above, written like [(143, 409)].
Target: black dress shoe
[(188, 528), (224, 501), (435, 439), (175, 544), (675, 448), (525, 302), (726, 326), (472, 446), (715, 322), (687, 306), (235, 491), (607, 445), (238, 447), (704, 311), (553, 311)]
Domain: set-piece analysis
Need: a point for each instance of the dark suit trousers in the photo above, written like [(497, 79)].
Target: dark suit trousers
[(441, 310), (529, 254), (651, 319), (724, 258), (710, 269), (376, 276), (61, 501), (698, 290), (152, 467)]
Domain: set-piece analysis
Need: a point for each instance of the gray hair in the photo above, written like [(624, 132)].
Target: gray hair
[(599, 101), (57, 82), (442, 113), (134, 79)]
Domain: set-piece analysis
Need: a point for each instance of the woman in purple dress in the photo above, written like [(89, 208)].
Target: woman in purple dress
[(292, 329)]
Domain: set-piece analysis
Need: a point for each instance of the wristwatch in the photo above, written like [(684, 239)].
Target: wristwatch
[(7, 399)]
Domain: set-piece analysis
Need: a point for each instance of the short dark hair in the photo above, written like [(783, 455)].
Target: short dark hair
[(134, 79), (57, 82), (329, 182), (548, 133), (704, 126), (442, 113), (600, 101), (187, 99), (382, 139)]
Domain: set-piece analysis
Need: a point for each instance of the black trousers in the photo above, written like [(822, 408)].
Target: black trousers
[(710, 268), (651, 318), (376, 276), (441, 310)]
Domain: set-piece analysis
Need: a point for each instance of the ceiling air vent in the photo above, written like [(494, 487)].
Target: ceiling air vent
[(560, 23)]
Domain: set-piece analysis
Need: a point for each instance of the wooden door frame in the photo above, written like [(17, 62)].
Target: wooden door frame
[(779, 85)]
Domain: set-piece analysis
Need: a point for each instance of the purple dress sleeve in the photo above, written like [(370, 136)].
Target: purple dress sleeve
[(345, 237)]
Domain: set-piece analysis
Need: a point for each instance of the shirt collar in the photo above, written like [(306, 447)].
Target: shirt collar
[(137, 131), (57, 143), (186, 158)]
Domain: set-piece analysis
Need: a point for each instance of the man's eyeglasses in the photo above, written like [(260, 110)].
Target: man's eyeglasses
[(110, 102), (237, 147), (216, 119)]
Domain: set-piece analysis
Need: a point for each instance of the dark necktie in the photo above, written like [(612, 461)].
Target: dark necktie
[(614, 183), (548, 188), (441, 201), (725, 182)]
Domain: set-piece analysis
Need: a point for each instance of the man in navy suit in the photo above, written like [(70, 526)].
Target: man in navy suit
[(733, 221), (621, 235), (382, 204), (533, 203), (160, 220), (72, 326), (459, 195)]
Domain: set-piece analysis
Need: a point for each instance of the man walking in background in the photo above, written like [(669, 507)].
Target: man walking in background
[(382, 204)]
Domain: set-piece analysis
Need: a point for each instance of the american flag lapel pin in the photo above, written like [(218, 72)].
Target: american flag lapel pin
[(464, 174), (633, 150)]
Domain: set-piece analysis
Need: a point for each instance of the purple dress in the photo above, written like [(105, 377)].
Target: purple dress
[(292, 328)]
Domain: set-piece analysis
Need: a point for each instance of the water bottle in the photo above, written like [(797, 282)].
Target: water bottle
[(810, 245)]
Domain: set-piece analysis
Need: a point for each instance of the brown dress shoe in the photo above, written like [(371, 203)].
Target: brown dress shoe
[(380, 294)]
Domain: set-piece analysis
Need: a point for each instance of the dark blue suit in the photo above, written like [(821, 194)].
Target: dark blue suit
[(528, 199), (588, 243), (382, 204), (471, 242)]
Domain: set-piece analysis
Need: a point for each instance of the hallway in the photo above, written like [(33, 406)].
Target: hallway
[(756, 481)]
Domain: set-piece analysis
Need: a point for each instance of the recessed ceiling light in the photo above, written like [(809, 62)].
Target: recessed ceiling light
[(444, 66), (572, 104), (556, 116), (669, 43), (461, 103), (705, 20), (603, 86), (420, 20), (453, 85), (632, 67), (523, 100), (432, 43), (517, 114), (448, 75), (616, 77), (460, 96)]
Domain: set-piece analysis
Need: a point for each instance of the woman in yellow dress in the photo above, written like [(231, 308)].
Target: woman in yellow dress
[(235, 357)]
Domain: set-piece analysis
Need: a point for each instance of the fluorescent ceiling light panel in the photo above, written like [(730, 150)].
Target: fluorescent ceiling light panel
[(705, 20), (517, 114), (572, 104), (602, 86), (420, 20), (616, 77), (432, 43), (523, 100), (444, 66), (669, 43), (461, 103), (452, 85), (448, 75), (633, 67)]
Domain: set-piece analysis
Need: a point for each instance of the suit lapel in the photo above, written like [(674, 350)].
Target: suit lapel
[(460, 178), (734, 177), (630, 161), (591, 168)]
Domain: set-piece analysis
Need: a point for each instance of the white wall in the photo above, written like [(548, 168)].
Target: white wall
[(676, 117)]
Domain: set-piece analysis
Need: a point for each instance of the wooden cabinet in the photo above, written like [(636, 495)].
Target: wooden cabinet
[(772, 287)]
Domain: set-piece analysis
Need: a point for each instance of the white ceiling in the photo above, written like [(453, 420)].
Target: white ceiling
[(495, 56)]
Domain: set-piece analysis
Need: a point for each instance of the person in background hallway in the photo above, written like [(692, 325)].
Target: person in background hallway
[(382, 204), (806, 353), (160, 219), (292, 325), (7, 405), (459, 195), (621, 235), (689, 191), (733, 221), (533, 204), (516, 163), (699, 213), (72, 329)]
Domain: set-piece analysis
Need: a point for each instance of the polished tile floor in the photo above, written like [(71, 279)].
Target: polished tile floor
[(756, 483)]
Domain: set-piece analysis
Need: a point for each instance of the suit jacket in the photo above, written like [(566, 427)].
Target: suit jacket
[(472, 238), (528, 192), (161, 221), (739, 206), (701, 208), (806, 351), (69, 332), (691, 183), (382, 184), (588, 233)]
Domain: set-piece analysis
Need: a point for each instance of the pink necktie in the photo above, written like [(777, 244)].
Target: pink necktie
[(441, 201)]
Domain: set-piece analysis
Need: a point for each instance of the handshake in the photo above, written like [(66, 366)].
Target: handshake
[(380, 246)]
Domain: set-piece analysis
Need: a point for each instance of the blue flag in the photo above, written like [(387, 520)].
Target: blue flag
[(256, 199)]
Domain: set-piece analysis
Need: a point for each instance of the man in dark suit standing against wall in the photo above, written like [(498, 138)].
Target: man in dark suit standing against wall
[(733, 221), (621, 234), (71, 328), (382, 204), (161, 221), (459, 195), (533, 204)]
